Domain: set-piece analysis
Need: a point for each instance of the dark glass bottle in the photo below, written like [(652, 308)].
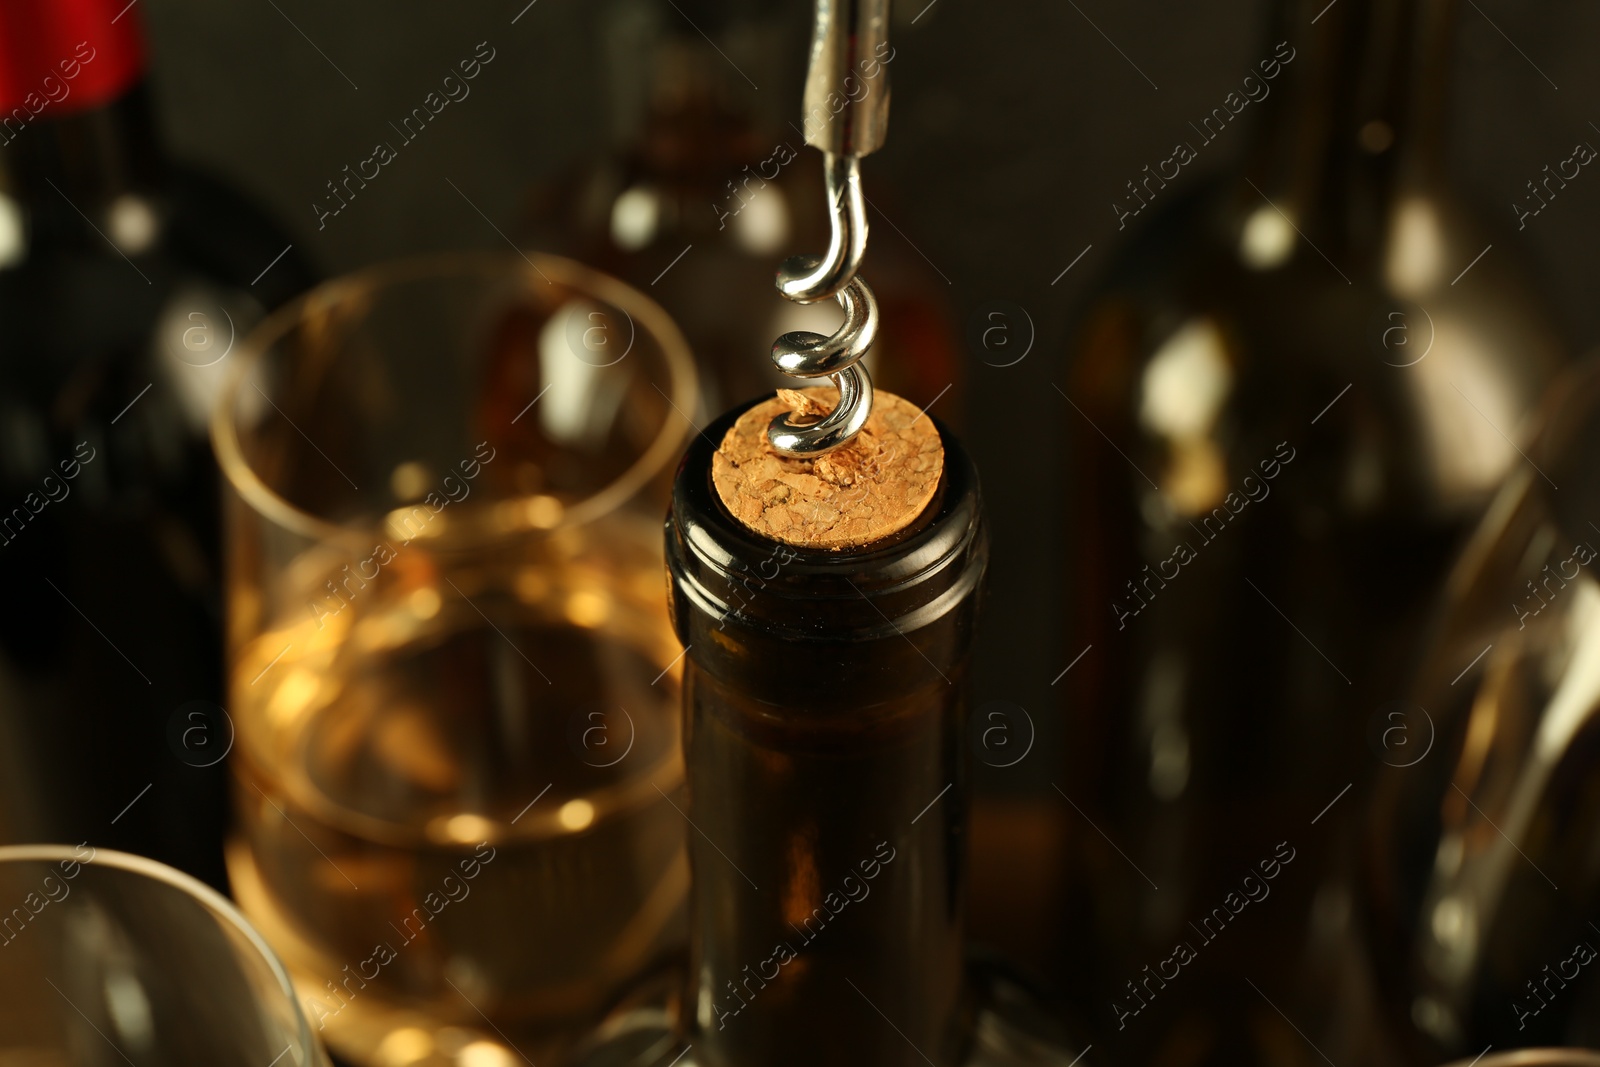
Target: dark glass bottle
[(125, 280), (825, 699), (1484, 872), (703, 195), (1308, 376)]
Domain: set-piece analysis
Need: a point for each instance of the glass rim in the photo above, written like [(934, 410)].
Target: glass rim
[(1553, 1056), (668, 442), (192, 887)]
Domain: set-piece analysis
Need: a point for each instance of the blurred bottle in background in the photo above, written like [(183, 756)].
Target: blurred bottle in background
[(1311, 374), (1484, 877), (125, 280), (705, 193)]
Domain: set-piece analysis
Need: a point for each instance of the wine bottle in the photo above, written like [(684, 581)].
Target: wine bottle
[(1483, 874), (825, 693), (1292, 393), (125, 282), (702, 193)]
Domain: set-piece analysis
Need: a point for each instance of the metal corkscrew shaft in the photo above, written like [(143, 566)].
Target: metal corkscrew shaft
[(846, 116)]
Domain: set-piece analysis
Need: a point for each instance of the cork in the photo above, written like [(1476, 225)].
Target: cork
[(865, 490)]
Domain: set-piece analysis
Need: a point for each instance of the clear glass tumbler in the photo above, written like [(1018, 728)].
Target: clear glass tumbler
[(453, 679), (107, 959)]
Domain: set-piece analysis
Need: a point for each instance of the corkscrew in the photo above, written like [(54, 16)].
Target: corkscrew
[(846, 115)]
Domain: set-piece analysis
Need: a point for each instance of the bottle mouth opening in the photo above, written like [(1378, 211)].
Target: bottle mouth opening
[(729, 571)]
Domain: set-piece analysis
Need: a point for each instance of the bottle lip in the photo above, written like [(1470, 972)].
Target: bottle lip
[(62, 57), (728, 572)]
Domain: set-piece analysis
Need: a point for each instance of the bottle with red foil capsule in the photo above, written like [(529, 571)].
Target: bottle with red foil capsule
[(124, 282)]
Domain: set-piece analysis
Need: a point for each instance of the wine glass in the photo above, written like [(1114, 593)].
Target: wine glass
[(108, 958), (452, 674), (1536, 1057), (1483, 873)]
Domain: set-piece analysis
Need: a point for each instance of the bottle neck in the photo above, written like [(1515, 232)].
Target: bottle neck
[(823, 752), (90, 156), (1357, 122), (76, 128), (671, 80)]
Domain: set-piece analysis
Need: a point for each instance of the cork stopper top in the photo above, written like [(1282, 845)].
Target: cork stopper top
[(864, 491)]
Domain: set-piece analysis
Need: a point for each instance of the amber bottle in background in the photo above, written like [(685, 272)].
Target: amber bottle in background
[(125, 280), (1483, 880), (703, 194), (1309, 376)]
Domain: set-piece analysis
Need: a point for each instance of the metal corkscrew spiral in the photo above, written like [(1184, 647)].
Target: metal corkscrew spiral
[(846, 115)]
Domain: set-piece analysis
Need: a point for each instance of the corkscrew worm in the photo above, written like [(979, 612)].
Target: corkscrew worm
[(847, 112)]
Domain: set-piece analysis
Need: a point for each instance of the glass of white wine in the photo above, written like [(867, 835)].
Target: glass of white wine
[(452, 676), (108, 958)]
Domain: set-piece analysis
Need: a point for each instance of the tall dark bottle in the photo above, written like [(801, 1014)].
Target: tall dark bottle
[(703, 192), (1308, 376), (825, 701), (124, 282), (1483, 875)]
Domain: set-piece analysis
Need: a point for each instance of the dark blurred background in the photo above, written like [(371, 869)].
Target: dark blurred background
[(1014, 132), (1013, 129)]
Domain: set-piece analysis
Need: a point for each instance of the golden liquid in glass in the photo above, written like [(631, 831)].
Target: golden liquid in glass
[(453, 815)]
